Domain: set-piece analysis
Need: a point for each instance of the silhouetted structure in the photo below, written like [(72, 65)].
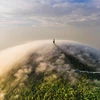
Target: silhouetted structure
[(53, 41)]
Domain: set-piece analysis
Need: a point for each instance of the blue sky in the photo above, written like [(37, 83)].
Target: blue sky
[(73, 1), (79, 1), (50, 13), (76, 1), (26, 20)]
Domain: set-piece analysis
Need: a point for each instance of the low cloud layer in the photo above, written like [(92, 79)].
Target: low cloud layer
[(50, 13), (23, 63), (19, 55)]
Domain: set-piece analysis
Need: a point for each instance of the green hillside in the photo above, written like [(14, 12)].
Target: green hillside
[(51, 84)]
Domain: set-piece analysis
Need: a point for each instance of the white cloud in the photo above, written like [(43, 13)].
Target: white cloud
[(49, 13)]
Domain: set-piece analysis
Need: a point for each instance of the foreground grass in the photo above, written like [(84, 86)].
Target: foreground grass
[(55, 88)]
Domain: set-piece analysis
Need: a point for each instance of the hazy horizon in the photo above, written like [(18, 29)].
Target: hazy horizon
[(19, 35), (76, 20)]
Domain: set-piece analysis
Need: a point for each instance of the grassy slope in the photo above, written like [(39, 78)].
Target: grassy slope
[(54, 88), (51, 86)]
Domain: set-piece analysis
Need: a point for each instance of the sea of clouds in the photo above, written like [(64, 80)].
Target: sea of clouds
[(42, 57)]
